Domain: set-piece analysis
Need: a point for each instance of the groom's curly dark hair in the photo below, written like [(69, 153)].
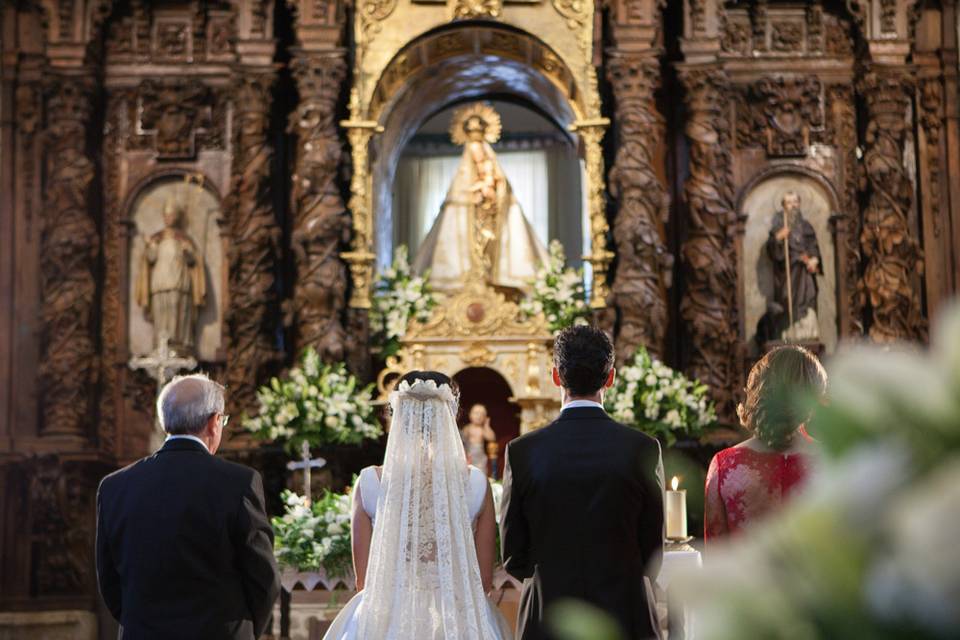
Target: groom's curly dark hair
[(583, 356)]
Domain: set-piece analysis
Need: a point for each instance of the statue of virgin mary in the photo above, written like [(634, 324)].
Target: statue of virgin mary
[(481, 231)]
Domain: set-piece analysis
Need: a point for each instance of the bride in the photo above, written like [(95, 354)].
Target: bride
[(423, 530)]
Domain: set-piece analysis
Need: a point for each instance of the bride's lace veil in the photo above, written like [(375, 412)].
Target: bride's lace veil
[(423, 579)]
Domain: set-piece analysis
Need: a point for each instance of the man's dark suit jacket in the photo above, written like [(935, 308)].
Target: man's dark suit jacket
[(184, 547), (583, 518)]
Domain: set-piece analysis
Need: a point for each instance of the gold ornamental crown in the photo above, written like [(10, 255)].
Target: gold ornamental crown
[(481, 113)]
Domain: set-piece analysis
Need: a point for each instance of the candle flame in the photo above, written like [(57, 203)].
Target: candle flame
[(675, 483)]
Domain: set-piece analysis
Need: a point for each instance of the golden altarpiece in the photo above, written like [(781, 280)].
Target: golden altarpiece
[(407, 65)]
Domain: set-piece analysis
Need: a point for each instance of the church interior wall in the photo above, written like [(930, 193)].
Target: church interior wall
[(710, 105)]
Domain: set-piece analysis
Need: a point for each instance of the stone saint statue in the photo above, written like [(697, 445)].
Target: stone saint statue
[(793, 250), (170, 285), (481, 230), (476, 434)]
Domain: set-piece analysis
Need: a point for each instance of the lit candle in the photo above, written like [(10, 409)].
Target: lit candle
[(676, 512)]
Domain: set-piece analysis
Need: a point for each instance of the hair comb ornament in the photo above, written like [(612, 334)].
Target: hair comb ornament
[(423, 391)]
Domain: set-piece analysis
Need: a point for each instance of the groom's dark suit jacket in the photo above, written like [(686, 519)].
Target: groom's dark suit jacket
[(583, 518), (184, 547)]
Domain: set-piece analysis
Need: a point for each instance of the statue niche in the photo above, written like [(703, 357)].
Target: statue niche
[(176, 281), (795, 257), (788, 270)]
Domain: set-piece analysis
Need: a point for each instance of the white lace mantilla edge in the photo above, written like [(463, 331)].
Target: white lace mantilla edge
[(423, 390)]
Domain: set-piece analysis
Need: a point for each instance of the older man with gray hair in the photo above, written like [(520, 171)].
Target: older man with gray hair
[(184, 547)]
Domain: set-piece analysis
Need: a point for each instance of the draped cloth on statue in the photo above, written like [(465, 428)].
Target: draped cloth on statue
[(509, 241)]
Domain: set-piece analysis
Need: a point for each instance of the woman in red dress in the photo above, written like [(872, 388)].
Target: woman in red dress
[(747, 481)]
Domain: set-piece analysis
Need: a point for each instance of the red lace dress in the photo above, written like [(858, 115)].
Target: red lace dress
[(743, 485)]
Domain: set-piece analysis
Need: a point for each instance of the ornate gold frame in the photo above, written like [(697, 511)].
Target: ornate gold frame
[(479, 327), (398, 39)]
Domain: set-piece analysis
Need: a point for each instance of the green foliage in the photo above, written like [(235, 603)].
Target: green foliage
[(558, 293), (654, 398), (309, 537), (318, 403), (577, 620)]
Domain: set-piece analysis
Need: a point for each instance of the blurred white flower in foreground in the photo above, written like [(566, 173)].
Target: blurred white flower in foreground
[(870, 549)]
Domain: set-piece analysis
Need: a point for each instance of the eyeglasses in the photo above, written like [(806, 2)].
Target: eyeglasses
[(224, 419)]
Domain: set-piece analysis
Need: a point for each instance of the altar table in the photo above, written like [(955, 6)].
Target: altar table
[(676, 561)]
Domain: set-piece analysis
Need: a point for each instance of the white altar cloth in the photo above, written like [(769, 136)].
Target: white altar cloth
[(674, 563)]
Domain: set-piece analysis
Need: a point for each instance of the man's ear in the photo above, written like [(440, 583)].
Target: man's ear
[(210, 428), (611, 378), (556, 377)]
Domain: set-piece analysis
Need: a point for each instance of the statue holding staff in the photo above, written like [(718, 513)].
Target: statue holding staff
[(793, 250)]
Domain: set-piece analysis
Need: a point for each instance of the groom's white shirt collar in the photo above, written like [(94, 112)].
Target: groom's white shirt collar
[(186, 436), (576, 404)]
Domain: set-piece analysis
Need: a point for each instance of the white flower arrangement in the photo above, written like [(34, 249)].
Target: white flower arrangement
[(656, 399), (558, 293), (318, 403), (312, 536), (398, 297), (496, 490)]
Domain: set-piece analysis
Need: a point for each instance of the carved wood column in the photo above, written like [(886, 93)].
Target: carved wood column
[(950, 60), (70, 248), (709, 304), (117, 129), (22, 225), (890, 286), (841, 127), (254, 241), (8, 151), (321, 225), (931, 157), (938, 157), (639, 290)]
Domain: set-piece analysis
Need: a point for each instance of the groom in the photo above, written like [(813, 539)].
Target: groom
[(583, 500)]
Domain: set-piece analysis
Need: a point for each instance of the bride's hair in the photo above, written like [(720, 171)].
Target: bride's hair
[(437, 378)]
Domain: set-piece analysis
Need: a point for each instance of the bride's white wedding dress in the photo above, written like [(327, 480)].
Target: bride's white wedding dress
[(423, 578)]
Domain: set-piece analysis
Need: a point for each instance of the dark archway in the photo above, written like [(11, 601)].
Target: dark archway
[(489, 388)]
